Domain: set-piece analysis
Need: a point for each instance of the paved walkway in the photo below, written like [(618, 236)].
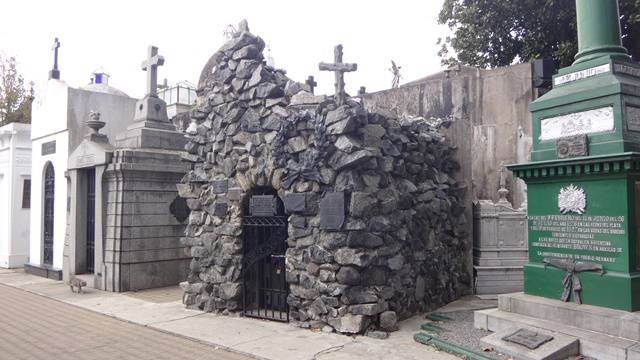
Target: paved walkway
[(35, 327), (64, 329)]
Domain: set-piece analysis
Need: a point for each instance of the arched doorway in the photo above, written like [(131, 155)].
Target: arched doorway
[(265, 286), (49, 197)]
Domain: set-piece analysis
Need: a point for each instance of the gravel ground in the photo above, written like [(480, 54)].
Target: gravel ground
[(460, 331)]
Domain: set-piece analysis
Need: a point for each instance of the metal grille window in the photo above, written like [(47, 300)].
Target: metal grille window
[(26, 194)]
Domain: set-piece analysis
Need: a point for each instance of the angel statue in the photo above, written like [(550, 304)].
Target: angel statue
[(395, 69)]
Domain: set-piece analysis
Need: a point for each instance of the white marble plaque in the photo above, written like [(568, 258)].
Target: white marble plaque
[(584, 122), (582, 74)]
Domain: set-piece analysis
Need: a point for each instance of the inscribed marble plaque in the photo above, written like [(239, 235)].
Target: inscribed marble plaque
[(584, 122), (49, 148), (582, 74)]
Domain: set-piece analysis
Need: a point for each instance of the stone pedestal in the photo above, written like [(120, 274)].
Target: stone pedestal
[(602, 333), (499, 247), (145, 220)]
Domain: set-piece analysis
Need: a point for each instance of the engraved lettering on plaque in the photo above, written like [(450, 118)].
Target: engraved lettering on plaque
[(332, 211), (633, 118), (49, 148), (582, 74), (572, 146), (262, 205), (220, 186), (528, 338), (626, 69), (584, 122)]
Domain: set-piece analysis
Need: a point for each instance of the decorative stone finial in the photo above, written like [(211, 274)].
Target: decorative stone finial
[(502, 191), (95, 124)]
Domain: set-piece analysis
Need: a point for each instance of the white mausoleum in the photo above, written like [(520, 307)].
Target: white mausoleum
[(15, 198), (58, 123)]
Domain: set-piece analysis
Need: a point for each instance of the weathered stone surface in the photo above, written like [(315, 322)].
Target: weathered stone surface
[(356, 257), (389, 321), (374, 217), (348, 275), (368, 309), (349, 324)]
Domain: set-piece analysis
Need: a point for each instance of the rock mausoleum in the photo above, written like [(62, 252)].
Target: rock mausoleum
[(310, 209)]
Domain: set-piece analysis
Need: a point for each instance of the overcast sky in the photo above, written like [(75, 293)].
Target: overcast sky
[(115, 34)]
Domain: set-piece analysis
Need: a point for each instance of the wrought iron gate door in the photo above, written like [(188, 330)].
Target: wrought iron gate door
[(49, 196), (91, 219), (265, 287)]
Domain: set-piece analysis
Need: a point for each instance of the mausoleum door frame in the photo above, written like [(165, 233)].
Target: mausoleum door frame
[(75, 244)]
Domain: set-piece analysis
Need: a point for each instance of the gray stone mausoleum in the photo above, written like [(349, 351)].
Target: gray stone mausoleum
[(311, 209)]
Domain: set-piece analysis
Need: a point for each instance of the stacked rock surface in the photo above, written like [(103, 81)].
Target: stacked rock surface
[(397, 250)]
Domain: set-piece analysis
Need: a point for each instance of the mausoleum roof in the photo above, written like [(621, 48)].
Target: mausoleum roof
[(104, 88)]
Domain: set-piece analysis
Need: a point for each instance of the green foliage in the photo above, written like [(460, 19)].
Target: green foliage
[(490, 33), (15, 102)]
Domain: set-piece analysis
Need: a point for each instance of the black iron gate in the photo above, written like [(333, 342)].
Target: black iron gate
[(91, 219), (49, 196), (265, 287)]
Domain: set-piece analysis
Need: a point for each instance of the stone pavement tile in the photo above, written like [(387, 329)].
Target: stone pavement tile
[(34, 327)]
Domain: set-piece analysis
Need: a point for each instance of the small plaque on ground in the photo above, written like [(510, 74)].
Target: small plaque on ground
[(262, 205), (572, 146), (528, 338)]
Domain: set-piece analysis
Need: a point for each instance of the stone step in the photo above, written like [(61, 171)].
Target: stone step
[(592, 344), (613, 322)]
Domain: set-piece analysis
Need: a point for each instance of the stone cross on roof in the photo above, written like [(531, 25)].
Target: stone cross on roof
[(151, 67), (339, 68), (55, 73), (311, 82)]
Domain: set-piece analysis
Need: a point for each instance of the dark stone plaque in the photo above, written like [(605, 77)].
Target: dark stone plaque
[(332, 211), (49, 148), (220, 186), (633, 118), (294, 202), (179, 209), (572, 146), (262, 205), (220, 208), (528, 338), (234, 194)]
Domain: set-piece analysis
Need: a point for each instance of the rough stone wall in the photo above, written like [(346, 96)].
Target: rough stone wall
[(491, 122), (393, 251)]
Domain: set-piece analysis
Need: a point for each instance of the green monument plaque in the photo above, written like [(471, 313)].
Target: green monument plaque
[(584, 178)]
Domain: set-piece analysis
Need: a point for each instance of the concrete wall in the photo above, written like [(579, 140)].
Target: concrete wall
[(491, 123), (116, 111), (15, 167), (38, 163)]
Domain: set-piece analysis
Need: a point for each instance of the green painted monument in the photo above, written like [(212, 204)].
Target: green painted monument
[(584, 176)]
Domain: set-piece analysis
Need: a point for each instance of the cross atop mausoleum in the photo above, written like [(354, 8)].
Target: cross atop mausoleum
[(311, 82), (151, 67), (339, 68), (55, 73)]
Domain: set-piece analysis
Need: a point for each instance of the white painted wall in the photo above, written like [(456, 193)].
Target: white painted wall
[(49, 123), (59, 114), (15, 167)]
